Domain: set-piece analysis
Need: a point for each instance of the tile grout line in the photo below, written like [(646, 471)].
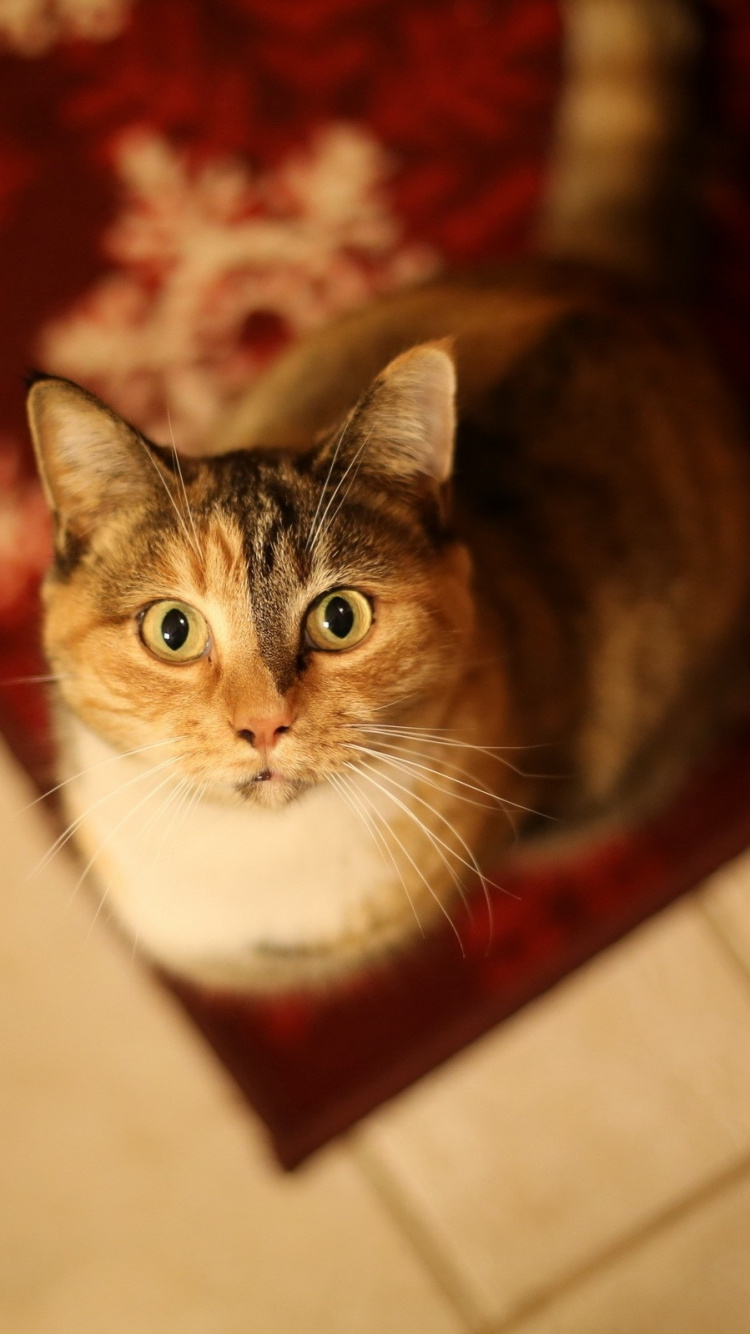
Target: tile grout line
[(721, 937), (626, 1245), (404, 1213), (446, 1273)]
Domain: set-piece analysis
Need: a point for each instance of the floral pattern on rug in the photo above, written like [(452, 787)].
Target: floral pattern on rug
[(217, 268)]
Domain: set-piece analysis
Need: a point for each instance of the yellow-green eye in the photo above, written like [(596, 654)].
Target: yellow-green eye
[(174, 631), (338, 620)]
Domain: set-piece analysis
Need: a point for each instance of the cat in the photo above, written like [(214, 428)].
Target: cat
[(307, 654), (468, 566)]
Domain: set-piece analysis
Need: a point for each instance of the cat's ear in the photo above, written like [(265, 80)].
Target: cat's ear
[(91, 462), (405, 424)]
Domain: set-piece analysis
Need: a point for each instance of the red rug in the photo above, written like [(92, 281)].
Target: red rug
[(135, 132)]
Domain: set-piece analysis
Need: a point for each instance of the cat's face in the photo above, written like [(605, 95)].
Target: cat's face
[(252, 614)]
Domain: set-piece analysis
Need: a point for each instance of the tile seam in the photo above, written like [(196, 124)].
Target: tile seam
[(442, 1267), (628, 1244)]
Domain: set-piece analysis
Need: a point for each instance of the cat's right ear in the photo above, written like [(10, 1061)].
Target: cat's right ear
[(91, 462), (403, 427)]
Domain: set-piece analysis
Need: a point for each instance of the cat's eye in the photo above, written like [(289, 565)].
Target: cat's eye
[(174, 632), (338, 620)]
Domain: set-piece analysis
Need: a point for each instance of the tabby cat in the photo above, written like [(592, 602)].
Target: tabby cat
[(310, 683)]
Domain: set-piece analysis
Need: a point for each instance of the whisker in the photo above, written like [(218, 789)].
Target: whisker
[(400, 765), (312, 536), (506, 801), (68, 833), (415, 768), (198, 791), (32, 680), (354, 465), (370, 819), (472, 864), (172, 500), (178, 466), (503, 802), (105, 841), (454, 736), (99, 764), (160, 811), (407, 854), (194, 792), (391, 704), (424, 734), (180, 788), (186, 807)]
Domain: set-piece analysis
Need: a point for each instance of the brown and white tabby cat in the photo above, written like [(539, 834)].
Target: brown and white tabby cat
[(285, 670)]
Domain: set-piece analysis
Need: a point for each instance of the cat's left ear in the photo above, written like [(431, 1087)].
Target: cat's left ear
[(91, 462), (405, 425)]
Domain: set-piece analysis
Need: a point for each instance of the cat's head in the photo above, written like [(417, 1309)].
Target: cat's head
[(255, 612)]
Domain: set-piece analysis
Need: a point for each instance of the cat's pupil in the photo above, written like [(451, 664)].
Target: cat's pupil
[(175, 629), (339, 617)]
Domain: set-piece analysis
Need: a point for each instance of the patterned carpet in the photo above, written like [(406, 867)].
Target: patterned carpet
[(188, 185)]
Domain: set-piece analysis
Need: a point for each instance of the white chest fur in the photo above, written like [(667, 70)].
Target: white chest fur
[(204, 882)]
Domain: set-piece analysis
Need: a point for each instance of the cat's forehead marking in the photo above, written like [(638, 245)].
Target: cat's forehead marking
[(212, 560), (210, 571), (240, 555), (275, 519), (270, 557)]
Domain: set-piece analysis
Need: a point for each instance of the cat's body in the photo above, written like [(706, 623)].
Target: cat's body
[(581, 596), (282, 676)]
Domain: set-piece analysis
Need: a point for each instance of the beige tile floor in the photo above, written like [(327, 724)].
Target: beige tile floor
[(583, 1170)]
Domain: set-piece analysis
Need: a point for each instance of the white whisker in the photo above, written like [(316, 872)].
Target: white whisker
[(182, 809), (415, 768), (171, 498), (503, 802), (105, 841), (454, 736), (392, 704), (124, 755), (370, 817), (354, 465), (178, 791), (424, 734), (472, 864), (178, 466), (32, 680), (420, 873), (199, 790), (160, 810), (68, 833), (312, 536)]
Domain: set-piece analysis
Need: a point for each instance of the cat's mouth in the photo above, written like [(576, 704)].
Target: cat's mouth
[(271, 788)]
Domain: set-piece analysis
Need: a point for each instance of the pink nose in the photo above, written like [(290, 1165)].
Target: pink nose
[(263, 733)]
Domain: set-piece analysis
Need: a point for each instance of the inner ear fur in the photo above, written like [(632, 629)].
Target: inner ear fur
[(404, 426), (90, 461)]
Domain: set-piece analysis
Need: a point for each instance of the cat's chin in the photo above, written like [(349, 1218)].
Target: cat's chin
[(273, 794)]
